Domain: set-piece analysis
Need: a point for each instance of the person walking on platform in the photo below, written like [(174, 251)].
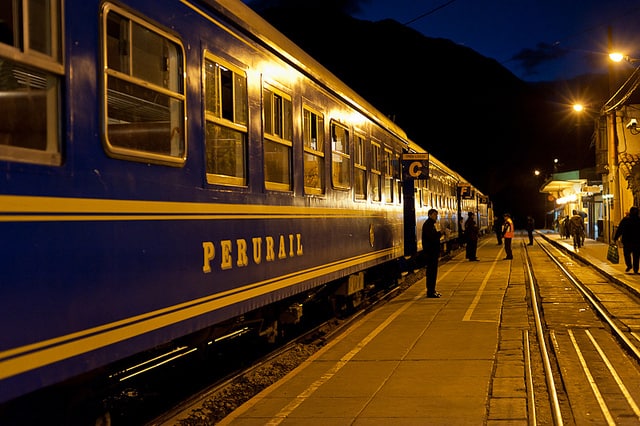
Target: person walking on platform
[(471, 232), (576, 229), (507, 234), (629, 230), (531, 225), (431, 246)]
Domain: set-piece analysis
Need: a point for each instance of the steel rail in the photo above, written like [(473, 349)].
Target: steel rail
[(600, 309), (544, 352)]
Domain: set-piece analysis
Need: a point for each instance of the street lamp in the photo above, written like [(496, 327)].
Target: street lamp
[(619, 57)]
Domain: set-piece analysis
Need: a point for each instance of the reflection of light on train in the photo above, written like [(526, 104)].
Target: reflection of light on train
[(168, 177)]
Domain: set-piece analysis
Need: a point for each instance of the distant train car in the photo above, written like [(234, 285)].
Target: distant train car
[(172, 171)]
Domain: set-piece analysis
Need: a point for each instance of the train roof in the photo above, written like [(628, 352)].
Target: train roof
[(255, 26)]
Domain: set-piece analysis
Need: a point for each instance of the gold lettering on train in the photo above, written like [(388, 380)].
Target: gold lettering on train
[(226, 254), (243, 260), (257, 250), (299, 250), (226, 263), (282, 250), (209, 251), (271, 256)]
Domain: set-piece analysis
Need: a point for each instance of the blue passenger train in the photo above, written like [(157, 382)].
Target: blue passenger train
[(173, 171)]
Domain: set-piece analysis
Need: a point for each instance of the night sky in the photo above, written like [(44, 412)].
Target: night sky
[(537, 40)]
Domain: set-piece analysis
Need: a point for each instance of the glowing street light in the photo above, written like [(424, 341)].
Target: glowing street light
[(616, 56), (578, 107)]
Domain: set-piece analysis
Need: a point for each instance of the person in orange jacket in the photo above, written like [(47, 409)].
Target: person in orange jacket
[(507, 234)]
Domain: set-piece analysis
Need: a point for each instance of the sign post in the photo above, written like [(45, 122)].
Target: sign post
[(414, 167)]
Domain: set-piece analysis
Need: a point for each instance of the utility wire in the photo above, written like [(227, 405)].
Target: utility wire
[(434, 10)]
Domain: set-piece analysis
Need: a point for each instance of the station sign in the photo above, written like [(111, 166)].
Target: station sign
[(415, 166), (465, 191)]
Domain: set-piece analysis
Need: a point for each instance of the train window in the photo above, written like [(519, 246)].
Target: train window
[(360, 168), (313, 141), (340, 159), (144, 102), (31, 71), (397, 176), (278, 133), (376, 172), (225, 123), (388, 176)]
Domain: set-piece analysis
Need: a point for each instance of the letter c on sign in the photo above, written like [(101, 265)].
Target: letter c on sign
[(415, 169)]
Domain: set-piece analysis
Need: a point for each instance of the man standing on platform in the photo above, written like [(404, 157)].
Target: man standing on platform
[(431, 246), (507, 234), (531, 225), (629, 230), (471, 232)]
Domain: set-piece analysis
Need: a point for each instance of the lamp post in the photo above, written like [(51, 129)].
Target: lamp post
[(610, 111)]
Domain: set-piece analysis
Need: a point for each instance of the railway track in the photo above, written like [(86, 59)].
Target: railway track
[(584, 324)]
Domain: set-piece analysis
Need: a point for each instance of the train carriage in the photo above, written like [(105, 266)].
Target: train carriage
[(167, 167)]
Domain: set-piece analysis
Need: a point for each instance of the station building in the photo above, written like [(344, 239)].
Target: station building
[(605, 194)]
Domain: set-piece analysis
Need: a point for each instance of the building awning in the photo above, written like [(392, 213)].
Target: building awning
[(558, 186), (561, 183)]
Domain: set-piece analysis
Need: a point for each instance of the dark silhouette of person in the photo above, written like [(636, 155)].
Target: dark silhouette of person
[(629, 230), (471, 232), (497, 228), (431, 246), (531, 225), (576, 229)]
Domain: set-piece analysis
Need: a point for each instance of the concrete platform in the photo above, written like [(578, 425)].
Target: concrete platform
[(417, 361)]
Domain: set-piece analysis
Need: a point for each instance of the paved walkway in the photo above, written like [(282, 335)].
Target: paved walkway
[(416, 361)]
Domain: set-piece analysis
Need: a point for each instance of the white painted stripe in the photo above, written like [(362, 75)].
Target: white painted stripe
[(616, 377), (592, 382)]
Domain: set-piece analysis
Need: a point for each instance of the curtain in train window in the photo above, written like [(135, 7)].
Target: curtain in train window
[(31, 71), (144, 96), (313, 141), (226, 106), (278, 134), (340, 158)]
